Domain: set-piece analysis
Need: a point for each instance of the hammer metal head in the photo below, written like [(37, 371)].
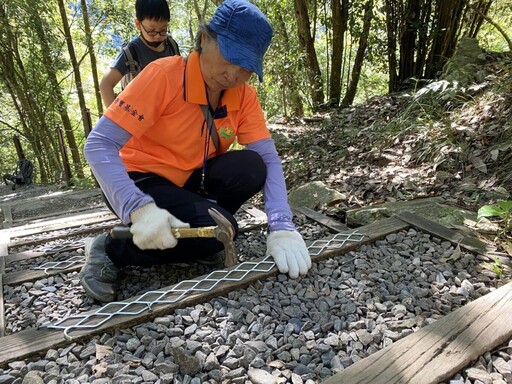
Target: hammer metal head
[(225, 233)]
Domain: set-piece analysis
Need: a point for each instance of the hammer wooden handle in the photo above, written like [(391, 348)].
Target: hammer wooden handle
[(120, 232)]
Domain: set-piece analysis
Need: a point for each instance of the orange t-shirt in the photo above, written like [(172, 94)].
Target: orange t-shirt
[(161, 109)]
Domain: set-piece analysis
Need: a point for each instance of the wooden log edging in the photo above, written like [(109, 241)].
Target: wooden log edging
[(437, 352), (470, 243), (71, 233), (4, 240), (57, 223), (33, 342), (320, 218)]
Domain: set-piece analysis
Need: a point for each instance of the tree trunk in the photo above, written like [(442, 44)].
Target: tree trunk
[(92, 57), (56, 92), (479, 9), (391, 30), (307, 44), (290, 86), (358, 61), (423, 38), (339, 27), (408, 37), (480, 14), (79, 90), (26, 100), (447, 24)]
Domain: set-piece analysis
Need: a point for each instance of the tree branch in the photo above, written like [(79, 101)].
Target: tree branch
[(490, 21)]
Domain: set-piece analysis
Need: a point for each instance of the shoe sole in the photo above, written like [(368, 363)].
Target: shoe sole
[(91, 293)]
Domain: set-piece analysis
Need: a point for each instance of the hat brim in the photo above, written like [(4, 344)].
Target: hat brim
[(240, 54)]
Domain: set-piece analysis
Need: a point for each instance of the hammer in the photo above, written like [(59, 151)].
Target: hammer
[(223, 232)]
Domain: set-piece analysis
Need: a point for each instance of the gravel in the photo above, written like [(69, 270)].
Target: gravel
[(275, 331)]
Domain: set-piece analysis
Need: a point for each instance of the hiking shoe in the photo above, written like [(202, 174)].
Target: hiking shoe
[(99, 276), (215, 260)]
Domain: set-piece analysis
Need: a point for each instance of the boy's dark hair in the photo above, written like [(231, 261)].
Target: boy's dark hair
[(152, 9)]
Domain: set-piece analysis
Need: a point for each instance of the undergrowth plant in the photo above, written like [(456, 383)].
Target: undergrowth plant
[(497, 267), (503, 211)]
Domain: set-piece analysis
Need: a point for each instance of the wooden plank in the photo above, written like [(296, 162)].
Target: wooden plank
[(78, 232), (4, 250), (54, 195), (258, 218), (81, 210), (436, 229), (440, 350), (19, 277), (60, 223), (320, 218), (254, 212), (7, 212), (27, 255), (244, 225), (33, 342), (2, 307)]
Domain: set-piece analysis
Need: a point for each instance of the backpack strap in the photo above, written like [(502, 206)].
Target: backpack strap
[(131, 63), (173, 45)]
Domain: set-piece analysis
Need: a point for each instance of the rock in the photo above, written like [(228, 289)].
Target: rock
[(189, 365), (431, 208), (259, 376), (33, 377), (461, 66), (479, 374), (7, 379), (314, 195)]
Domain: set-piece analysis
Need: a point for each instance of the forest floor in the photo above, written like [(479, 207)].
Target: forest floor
[(442, 140)]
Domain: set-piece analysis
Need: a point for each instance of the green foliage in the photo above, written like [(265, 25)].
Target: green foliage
[(502, 210), (285, 92), (497, 267), (85, 183), (488, 37)]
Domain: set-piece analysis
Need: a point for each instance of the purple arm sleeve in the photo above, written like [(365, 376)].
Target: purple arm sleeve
[(102, 153), (274, 192)]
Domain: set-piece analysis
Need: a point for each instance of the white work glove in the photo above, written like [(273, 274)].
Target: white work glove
[(289, 252), (151, 227)]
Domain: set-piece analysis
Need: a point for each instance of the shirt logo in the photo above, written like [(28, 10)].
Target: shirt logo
[(226, 133), (128, 109)]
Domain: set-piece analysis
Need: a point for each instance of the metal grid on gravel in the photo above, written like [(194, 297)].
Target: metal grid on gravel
[(74, 261), (146, 301), (67, 246)]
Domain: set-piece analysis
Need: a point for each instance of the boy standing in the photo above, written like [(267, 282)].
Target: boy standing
[(154, 42)]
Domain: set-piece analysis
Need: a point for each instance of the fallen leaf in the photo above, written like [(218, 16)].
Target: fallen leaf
[(507, 246), (456, 253), (479, 164), (453, 257)]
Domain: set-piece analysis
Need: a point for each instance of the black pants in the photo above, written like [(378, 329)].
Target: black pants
[(231, 179)]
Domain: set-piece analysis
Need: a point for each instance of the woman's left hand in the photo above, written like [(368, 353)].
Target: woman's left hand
[(289, 252)]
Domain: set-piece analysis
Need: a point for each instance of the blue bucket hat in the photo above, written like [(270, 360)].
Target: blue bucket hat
[(243, 34)]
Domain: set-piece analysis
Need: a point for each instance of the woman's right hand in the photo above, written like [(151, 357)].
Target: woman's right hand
[(151, 227)]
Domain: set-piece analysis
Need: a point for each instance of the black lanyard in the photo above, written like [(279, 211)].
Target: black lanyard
[(211, 131)]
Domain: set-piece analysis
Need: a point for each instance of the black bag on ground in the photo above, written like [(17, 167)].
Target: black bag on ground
[(23, 174)]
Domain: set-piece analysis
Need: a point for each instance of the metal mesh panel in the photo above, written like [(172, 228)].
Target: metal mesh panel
[(184, 288)]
